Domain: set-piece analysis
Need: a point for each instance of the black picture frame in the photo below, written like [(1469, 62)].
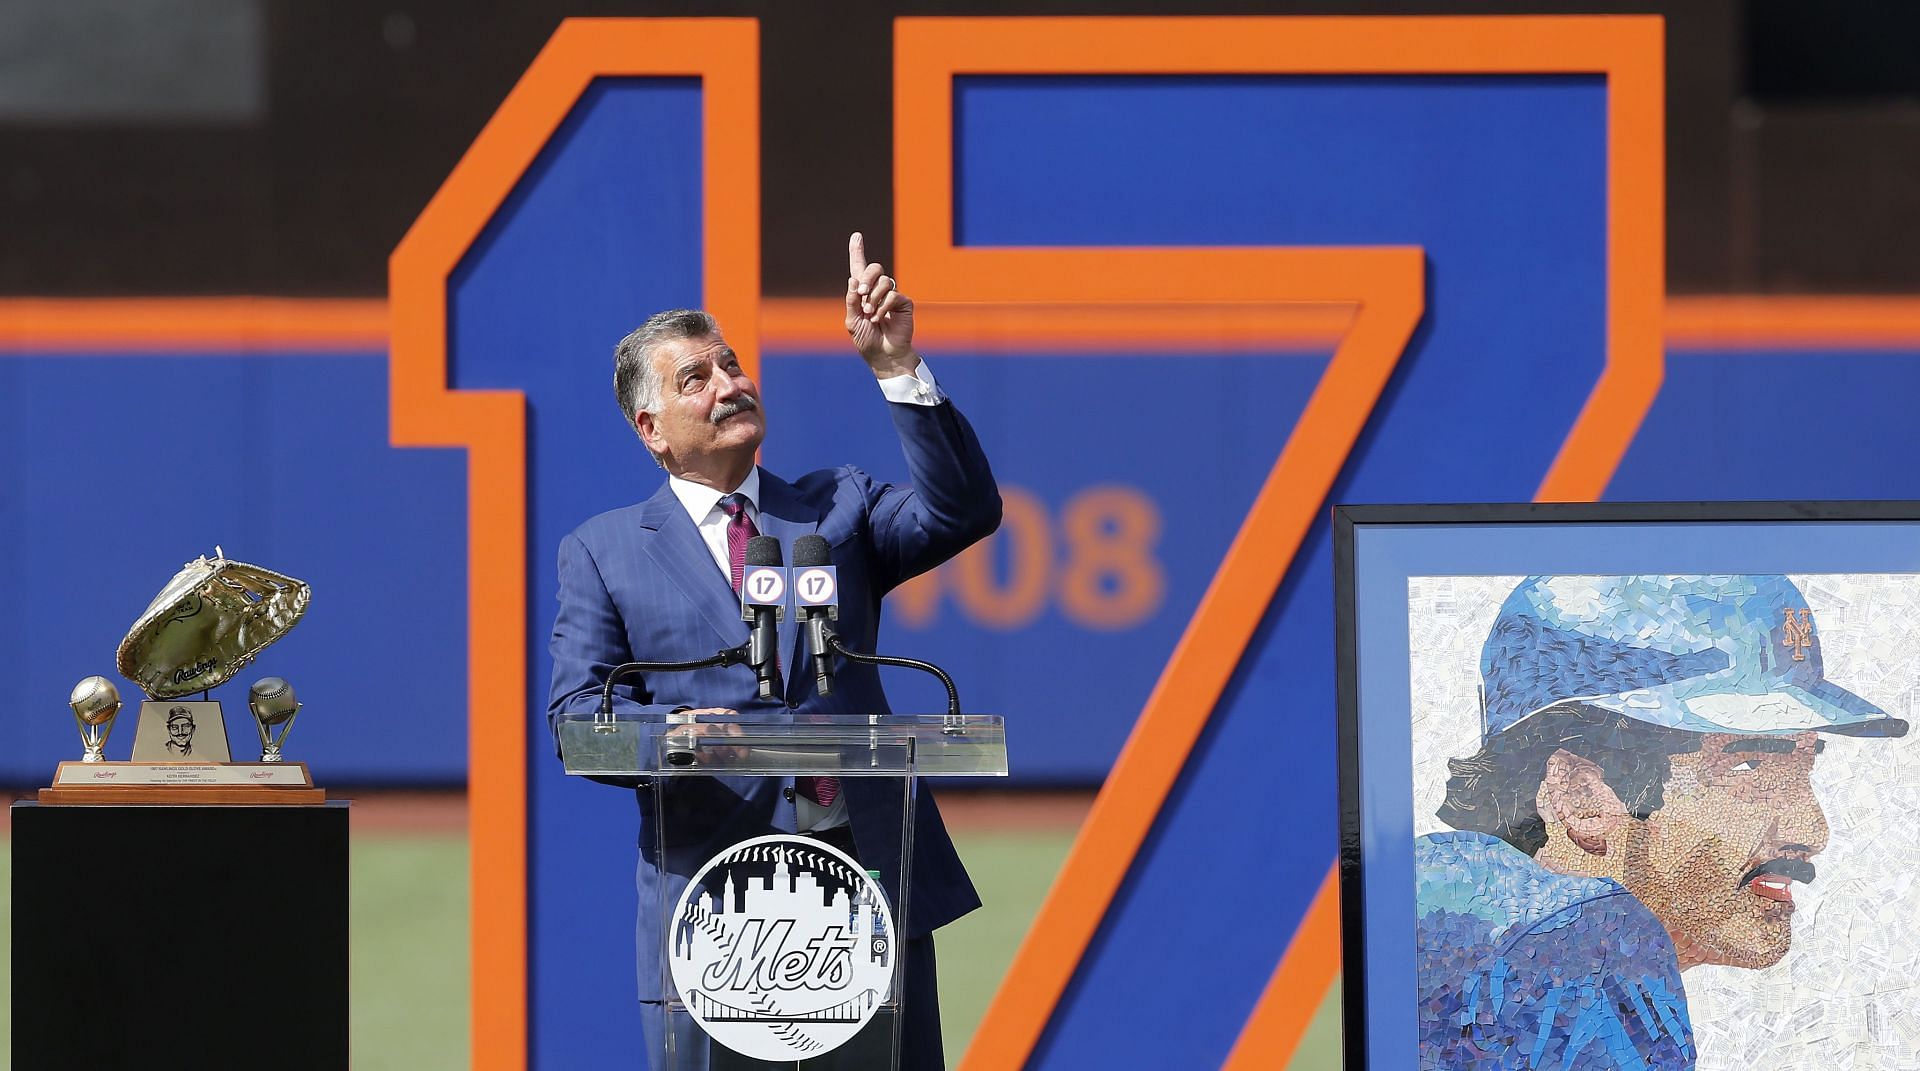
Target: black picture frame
[(1349, 521)]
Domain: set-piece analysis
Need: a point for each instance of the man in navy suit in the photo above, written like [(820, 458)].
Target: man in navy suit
[(651, 582)]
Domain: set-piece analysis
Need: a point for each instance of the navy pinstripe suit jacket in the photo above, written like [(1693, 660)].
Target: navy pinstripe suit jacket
[(638, 583)]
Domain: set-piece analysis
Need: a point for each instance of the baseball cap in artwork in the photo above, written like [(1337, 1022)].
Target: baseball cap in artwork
[(1711, 654)]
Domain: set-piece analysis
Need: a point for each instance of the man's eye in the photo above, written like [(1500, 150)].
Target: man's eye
[(1746, 766)]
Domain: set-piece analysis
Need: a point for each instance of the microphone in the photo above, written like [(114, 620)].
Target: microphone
[(763, 589), (817, 598)]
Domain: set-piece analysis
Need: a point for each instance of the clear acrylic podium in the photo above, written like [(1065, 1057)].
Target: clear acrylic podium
[(782, 946)]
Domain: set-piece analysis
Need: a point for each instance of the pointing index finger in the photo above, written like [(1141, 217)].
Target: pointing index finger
[(856, 254)]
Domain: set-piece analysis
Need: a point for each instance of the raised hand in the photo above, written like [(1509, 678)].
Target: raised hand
[(879, 316)]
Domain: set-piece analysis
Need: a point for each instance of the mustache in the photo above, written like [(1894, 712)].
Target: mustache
[(1792, 869), (722, 410)]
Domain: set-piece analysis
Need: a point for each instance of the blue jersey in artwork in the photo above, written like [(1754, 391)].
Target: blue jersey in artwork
[(1521, 967)]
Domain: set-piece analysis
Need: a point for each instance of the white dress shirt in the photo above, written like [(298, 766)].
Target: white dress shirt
[(702, 503)]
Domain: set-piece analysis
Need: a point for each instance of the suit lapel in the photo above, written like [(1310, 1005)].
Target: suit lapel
[(786, 516), (684, 558)]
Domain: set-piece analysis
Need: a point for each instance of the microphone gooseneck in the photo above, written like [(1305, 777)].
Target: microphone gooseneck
[(732, 656), (761, 550), (812, 551), (840, 648)]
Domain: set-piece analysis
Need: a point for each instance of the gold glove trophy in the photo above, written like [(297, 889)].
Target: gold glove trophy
[(211, 619)]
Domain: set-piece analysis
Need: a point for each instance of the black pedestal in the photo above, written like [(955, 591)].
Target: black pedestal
[(205, 937)]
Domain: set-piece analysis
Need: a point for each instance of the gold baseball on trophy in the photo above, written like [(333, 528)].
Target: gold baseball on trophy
[(94, 701), (272, 702)]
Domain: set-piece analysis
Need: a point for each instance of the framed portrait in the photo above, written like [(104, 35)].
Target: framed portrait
[(1630, 785)]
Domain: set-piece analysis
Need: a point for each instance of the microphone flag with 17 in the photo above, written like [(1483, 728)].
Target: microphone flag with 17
[(763, 600), (816, 597)]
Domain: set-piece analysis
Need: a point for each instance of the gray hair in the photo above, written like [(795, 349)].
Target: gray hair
[(636, 386)]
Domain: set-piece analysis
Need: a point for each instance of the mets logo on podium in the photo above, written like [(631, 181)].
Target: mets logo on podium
[(781, 948)]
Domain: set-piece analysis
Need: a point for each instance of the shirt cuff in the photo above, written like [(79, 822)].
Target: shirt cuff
[(919, 388)]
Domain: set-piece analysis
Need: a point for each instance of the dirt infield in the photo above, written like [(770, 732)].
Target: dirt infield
[(390, 811), (990, 810), (433, 812), (445, 811)]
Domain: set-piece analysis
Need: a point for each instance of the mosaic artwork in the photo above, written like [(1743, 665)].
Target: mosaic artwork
[(1667, 821)]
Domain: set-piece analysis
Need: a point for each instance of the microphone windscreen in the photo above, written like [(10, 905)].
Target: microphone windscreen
[(810, 550), (763, 550)]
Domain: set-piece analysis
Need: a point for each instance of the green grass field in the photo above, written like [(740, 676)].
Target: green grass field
[(409, 951), (1012, 870)]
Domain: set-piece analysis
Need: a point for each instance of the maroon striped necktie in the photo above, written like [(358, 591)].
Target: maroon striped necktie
[(740, 528)]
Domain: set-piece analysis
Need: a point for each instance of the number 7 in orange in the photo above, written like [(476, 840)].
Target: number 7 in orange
[(1384, 284)]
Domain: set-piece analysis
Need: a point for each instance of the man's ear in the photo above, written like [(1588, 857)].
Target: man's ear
[(643, 423), (1575, 796)]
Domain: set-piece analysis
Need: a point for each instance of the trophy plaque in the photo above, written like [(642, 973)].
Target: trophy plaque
[(213, 618)]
